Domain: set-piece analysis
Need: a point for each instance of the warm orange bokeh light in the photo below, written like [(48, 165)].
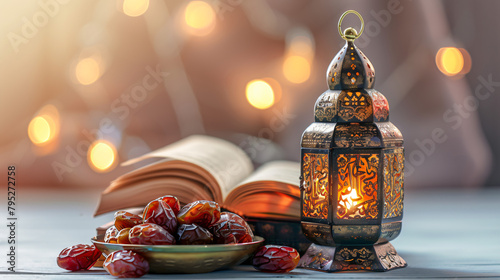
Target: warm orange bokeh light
[(102, 156), (296, 69), (87, 71), (44, 127), (135, 8), (199, 17), (450, 61), (260, 94), (39, 130), (302, 46)]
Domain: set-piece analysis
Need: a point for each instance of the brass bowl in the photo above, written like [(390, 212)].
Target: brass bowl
[(186, 258)]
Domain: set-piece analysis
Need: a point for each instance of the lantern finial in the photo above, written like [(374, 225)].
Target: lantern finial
[(350, 34)]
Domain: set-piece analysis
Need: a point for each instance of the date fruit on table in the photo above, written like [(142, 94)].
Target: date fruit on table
[(173, 202), (202, 212), (158, 212), (111, 235), (78, 257), (273, 258), (124, 219), (193, 234), (231, 229), (150, 234), (126, 264), (122, 237)]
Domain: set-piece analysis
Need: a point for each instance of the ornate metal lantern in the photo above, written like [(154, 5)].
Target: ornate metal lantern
[(352, 170)]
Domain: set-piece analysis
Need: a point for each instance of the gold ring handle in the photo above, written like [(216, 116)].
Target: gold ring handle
[(350, 34)]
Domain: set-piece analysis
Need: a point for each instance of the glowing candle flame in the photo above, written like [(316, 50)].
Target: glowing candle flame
[(349, 200)]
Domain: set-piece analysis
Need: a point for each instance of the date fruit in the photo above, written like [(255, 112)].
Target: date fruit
[(78, 257), (273, 258), (150, 234), (202, 212), (111, 235), (193, 234), (231, 229), (122, 237), (124, 219), (158, 212), (171, 201), (126, 264)]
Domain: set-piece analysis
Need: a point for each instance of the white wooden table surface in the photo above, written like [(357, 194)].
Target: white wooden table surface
[(446, 235)]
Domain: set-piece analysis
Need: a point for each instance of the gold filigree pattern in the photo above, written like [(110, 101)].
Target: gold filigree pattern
[(388, 257), (355, 259), (356, 136), (357, 186), (318, 135), (315, 185), (354, 106), (380, 107), (393, 183), (390, 133), (325, 108)]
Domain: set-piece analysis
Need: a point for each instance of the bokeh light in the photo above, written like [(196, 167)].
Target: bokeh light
[(44, 127), (39, 130), (450, 61), (260, 94), (135, 8), (302, 46), (296, 69), (199, 17), (101, 156), (87, 71)]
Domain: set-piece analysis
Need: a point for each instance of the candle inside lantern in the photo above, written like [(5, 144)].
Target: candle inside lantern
[(350, 200)]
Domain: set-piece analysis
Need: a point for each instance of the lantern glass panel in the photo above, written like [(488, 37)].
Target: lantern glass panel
[(393, 182), (357, 186), (315, 172)]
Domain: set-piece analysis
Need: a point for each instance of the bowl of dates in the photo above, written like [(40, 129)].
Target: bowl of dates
[(186, 258)]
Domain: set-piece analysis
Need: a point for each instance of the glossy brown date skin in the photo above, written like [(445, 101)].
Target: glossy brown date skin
[(231, 229), (278, 259), (124, 219), (122, 237), (173, 202), (202, 212), (126, 264), (78, 257), (150, 234), (193, 234), (111, 234), (158, 212)]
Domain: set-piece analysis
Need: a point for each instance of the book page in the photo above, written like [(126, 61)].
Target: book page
[(224, 160), (287, 172), (272, 191)]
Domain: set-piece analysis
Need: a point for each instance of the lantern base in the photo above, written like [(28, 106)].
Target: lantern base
[(377, 257)]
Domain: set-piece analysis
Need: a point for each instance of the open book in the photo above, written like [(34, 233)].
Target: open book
[(204, 167)]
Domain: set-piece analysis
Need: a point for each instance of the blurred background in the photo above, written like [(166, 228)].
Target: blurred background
[(86, 85)]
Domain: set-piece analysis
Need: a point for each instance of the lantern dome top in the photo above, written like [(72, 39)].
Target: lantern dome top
[(350, 69)]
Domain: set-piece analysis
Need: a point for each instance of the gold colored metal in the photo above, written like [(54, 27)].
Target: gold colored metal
[(350, 34), (186, 258)]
